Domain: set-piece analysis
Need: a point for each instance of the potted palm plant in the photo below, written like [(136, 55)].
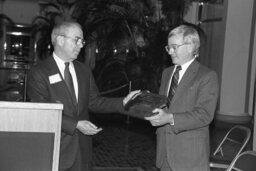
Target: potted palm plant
[(115, 32), (51, 13), (121, 37)]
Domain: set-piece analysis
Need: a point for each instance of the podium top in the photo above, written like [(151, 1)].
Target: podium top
[(31, 105)]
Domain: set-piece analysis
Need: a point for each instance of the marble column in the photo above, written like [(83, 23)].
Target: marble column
[(229, 50)]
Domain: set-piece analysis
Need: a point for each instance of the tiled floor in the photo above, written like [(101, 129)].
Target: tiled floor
[(129, 142)]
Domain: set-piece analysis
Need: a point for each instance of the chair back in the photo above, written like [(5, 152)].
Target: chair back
[(245, 161), (230, 147), (239, 135), (236, 138)]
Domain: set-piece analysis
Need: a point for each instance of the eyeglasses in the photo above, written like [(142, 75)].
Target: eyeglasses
[(78, 40), (174, 47)]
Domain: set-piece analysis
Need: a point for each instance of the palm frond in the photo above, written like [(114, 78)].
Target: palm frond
[(49, 4)]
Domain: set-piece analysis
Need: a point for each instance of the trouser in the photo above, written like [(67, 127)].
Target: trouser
[(78, 165), (165, 166)]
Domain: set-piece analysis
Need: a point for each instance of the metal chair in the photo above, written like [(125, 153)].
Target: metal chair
[(246, 161), (230, 147)]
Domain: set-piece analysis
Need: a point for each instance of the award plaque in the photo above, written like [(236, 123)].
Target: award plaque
[(142, 105)]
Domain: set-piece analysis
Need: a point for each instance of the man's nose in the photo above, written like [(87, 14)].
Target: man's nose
[(80, 45), (171, 51)]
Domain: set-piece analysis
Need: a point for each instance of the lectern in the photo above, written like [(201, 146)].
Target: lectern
[(254, 133), (30, 136)]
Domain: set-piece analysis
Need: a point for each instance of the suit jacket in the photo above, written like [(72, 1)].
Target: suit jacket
[(46, 84), (186, 143)]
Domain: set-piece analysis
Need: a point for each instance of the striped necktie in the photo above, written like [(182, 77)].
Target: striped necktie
[(174, 83)]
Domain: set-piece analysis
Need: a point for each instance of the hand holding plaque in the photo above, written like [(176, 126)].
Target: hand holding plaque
[(142, 105)]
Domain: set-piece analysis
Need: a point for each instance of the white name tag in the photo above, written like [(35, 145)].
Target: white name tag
[(54, 78)]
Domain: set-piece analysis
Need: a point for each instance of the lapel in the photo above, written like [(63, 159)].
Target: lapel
[(60, 88), (79, 80), (167, 80), (186, 79), (82, 83)]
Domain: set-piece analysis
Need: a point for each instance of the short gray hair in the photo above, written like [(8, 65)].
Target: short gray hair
[(189, 34)]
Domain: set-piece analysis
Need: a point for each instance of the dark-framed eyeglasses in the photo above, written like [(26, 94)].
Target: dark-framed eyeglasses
[(174, 47), (77, 40)]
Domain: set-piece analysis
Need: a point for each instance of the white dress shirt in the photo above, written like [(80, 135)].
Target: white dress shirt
[(184, 67), (61, 66)]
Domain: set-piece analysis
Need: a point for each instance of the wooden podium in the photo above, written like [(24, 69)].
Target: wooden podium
[(30, 136), (254, 133)]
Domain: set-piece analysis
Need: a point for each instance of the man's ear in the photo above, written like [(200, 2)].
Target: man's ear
[(60, 40), (191, 48)]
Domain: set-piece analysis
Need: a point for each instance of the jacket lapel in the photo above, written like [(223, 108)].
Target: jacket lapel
[(60, 88), (82, 83), (79, 79), (167, 80), (186, 79)]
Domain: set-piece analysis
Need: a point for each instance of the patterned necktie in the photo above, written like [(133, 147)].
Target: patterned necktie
[(174, 83), (69, 81)]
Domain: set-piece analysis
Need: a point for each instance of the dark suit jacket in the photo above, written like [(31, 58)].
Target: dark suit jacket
[(186, 143), (41, 89)]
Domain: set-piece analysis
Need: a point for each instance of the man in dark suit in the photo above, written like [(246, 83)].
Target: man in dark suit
[(60, 78), (183, 127)]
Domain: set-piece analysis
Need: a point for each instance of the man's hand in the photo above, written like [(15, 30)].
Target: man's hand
[(160, 118), (87, 128), (131, 96)]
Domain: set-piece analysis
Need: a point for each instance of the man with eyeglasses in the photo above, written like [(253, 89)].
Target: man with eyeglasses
[(62, 79), (183, 127)]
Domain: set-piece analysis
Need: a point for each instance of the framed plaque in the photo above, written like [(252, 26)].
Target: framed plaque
[(142, 105)]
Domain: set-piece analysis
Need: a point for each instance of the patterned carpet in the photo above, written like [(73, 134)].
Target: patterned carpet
[(128, 144), (122, 144)]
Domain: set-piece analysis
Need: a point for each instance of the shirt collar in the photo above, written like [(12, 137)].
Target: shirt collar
[(59, 61), (185, 66)]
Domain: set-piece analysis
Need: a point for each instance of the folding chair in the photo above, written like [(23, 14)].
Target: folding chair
[(230, 147), (246, 161)]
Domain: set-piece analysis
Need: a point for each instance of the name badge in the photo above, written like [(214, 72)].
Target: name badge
[(54, 78)]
